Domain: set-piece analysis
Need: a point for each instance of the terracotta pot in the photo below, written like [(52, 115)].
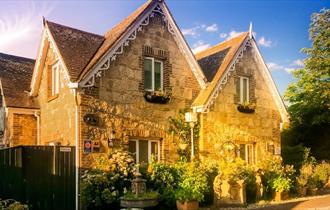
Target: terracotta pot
[(280, 196), (187, 205)]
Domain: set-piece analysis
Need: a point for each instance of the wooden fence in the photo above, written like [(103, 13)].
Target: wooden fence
[(42, 177)]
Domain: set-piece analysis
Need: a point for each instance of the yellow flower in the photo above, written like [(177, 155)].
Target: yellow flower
[(149, 168)]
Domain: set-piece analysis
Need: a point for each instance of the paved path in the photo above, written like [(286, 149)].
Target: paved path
[(319, 203)]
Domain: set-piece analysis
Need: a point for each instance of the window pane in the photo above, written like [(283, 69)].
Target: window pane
[(143, 151), (154, 149), (158, 72), (245, 89), (242, 151), (147, 74), (132, 148)]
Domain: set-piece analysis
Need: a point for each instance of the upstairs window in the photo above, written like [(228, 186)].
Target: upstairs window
[(153, 74), (53, 80), (244, 90)]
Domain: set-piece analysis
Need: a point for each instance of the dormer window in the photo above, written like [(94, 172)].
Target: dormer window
[(244, 90), (153, 74)]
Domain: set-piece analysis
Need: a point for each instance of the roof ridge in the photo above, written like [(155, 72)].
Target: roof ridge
[(76, 29), (217, 45), (15, 56)]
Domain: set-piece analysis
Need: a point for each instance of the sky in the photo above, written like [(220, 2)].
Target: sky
[(280, 26)]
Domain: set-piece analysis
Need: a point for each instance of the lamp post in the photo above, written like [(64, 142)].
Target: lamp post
[(191, 118)]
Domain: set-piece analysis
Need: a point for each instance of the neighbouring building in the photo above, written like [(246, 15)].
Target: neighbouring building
[(100, 92)]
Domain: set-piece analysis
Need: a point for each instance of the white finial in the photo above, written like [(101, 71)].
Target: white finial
[(250, 30)]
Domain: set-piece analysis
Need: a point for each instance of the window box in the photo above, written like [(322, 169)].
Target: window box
[(159, 97), (246, 108)]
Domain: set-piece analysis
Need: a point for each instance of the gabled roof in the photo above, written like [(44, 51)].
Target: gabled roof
[(114, 34), (76, 47), (15, 77), (218, 57)]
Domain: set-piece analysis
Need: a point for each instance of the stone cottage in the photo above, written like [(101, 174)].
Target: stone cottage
[(101, 92)]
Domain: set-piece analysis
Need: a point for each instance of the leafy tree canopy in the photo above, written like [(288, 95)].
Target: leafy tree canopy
[(309, 96)]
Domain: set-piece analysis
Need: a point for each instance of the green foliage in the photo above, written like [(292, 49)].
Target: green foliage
[(100, 188), (164, 178), (193, 184), (297, 156), (182, 130), (275, 175), (309, 96), (281, 184), (10, 204)]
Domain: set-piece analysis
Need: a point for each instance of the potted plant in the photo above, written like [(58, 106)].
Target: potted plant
[(281, 185), (159, 96), (246, 107), (192, 187)]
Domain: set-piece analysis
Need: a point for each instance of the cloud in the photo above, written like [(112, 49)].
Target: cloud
[(20, 29), (298, 62), (212, 28), (277, 67), (265, 43), (233, 34), (223, 35), (190, 31), (200, 46)]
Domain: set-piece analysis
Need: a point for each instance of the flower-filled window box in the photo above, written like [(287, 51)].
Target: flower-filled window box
[(246, 107), (159, 97)]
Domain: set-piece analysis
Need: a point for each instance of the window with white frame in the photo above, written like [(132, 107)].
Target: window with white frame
[(144, 150), (153, 74), (246, 152), (55, 74), (244, 89)]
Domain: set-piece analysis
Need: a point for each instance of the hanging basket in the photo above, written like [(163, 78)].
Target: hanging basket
[(246, 108), (157, 97)]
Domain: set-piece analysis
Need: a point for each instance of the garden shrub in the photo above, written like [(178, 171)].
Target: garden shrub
[(321, 173), (275, 175), (107, 182), (193, 184), (11, 204)]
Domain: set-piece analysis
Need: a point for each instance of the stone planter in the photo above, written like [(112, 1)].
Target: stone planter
[(158, 99), (280, 196), (311, 191), (138, 203), (187, 205)]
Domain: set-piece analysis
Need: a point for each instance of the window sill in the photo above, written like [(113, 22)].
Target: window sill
[(51, 98)]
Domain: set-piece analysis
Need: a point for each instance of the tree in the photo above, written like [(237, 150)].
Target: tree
[(309, 96)]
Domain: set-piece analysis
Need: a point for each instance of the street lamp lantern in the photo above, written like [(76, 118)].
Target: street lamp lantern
[(191, 118)]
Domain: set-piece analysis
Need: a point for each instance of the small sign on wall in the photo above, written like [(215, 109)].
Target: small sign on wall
[(278, 151), (65, 149), (87, 146)]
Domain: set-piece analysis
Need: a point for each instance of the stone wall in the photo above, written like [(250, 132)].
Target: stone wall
[(225, 123), (118, 98), (57, 114)]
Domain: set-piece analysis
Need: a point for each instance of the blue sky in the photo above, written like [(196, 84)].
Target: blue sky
[(281, 27)]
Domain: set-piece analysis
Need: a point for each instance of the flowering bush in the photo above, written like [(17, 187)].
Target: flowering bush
[(108, 180)]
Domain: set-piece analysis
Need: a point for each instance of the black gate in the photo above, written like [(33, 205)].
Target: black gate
[(41, 176)]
